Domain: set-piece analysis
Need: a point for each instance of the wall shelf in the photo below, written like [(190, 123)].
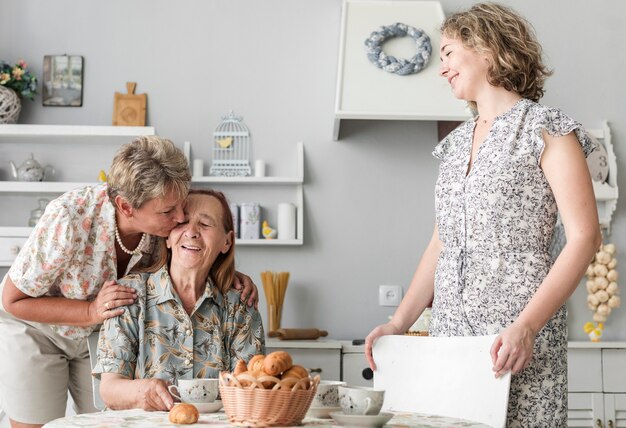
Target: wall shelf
[(73, 131), (53, 143), (40, 187), (295, 181)]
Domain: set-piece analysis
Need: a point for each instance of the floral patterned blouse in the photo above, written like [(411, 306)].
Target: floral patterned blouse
[(156, 338), (71, 251)]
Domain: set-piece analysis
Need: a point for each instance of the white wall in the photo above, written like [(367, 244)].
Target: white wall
[(369, 197)]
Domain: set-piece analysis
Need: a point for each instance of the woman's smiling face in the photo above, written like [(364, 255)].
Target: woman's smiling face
[(197, 242), (463, 68)]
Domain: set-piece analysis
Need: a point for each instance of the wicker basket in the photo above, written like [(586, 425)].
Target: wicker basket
[(10, 105), (252, 406)]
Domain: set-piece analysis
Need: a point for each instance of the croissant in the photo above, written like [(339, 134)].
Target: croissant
[(277, 362), (294, 375), (295, 371), (240, 367), (256, 363), (184, 413)]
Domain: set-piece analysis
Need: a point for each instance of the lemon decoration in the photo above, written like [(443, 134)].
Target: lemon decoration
[(102, 177), (225, 142)]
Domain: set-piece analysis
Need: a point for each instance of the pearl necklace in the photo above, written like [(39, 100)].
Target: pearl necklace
[(137, 250)]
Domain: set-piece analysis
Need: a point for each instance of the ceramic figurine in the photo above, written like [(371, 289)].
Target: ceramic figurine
[(594, 332), (268, 232)]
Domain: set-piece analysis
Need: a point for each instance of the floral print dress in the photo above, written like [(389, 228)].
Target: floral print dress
[(496, 224)]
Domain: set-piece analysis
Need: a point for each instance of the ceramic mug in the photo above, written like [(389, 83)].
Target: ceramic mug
[(360, 400), (327, 394), (195, 390)]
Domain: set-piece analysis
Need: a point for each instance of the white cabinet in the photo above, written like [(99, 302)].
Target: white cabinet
[(597, 384), (318, 356)]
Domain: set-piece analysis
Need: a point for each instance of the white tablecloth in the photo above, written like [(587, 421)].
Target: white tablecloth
[(141, 419)]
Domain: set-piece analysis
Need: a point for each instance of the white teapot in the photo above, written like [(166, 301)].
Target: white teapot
[(30, 170)]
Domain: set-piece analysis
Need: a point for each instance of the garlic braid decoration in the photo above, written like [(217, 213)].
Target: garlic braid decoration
[(602, 288)]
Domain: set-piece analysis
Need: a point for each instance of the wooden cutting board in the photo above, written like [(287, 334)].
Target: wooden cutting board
[(129, 109), (442, 376)]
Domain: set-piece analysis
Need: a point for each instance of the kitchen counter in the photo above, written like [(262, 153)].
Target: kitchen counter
[(594, 345), (304, 344)]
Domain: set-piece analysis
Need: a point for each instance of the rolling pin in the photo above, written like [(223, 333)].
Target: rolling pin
[(297, 333)]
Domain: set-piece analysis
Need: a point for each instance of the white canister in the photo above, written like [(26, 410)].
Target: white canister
[(198, 167), (259, 168), (250, 221), (286, 221), (234, 210)]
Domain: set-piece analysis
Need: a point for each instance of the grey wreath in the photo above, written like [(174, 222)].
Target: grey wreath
[(391, 64)]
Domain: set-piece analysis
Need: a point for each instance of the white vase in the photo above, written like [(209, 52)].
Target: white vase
[(10, 105)]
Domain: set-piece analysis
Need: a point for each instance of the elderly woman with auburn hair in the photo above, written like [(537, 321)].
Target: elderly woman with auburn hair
[(187, 321)]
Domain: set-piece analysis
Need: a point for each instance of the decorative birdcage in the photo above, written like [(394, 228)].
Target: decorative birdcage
[(231, 148)]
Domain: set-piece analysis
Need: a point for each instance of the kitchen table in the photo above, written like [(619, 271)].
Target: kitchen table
[(137, 418)]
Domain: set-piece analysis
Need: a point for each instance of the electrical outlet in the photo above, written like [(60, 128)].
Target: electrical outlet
[(389, 295)]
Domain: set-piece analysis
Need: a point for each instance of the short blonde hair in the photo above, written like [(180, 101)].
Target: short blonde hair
[(147, 168), (509, 40)]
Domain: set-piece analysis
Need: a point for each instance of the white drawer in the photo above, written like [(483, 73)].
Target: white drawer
[(584, 370), (327, 361), (356, 371), (614, 370), (10, 246)]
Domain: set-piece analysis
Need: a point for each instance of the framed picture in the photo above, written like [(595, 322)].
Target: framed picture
[(63, 80)]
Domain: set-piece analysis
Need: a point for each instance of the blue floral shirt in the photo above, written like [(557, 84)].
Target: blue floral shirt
[(156, 338)]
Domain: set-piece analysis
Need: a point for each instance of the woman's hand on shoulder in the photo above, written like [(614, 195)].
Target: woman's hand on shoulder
[(381, 330), (110, 301), (513, 349), (249, 291)]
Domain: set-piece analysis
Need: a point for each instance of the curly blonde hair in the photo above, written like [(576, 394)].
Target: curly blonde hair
[(508, 40)]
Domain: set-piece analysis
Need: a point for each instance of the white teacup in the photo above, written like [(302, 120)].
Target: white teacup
[(195, 390), (360, 400), (327, 394)]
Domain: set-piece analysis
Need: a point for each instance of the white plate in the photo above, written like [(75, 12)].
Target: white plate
[(322, 412), (211, 407), (362, 420)]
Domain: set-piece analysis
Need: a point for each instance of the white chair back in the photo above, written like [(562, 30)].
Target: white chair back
[(92, 343), (447, 376)]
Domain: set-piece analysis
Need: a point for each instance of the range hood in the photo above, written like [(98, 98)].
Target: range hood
[(367, 92)]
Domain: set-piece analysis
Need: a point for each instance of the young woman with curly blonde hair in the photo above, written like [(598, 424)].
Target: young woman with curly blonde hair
[(504, 176)]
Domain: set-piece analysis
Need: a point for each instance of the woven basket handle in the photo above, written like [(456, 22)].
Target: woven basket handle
[(228, 379)]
